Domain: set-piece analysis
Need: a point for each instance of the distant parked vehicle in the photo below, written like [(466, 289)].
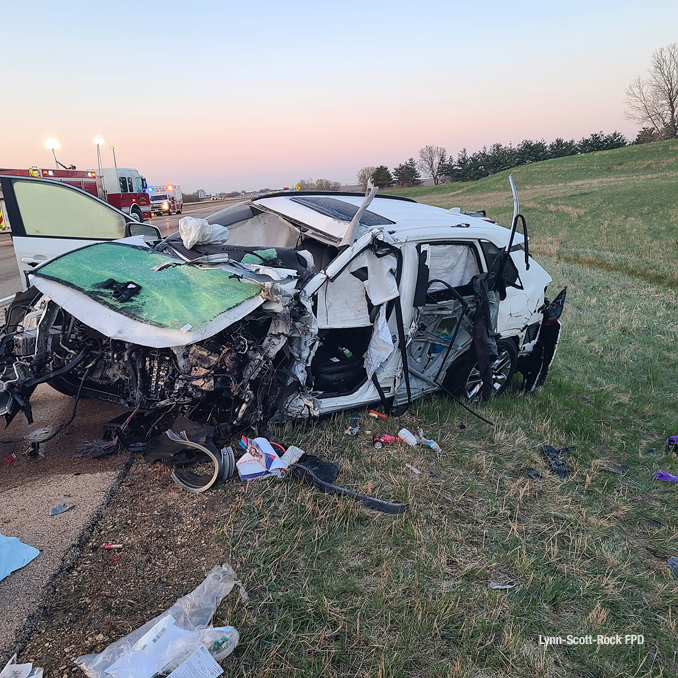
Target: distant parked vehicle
[(166, 199)]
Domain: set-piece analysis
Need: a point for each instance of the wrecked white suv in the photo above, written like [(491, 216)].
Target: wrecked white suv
[(315, 303)]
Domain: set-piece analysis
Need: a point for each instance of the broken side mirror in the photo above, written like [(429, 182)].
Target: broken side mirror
[(139, 228)]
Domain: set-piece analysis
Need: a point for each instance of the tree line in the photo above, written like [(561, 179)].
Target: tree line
[(436, 164)]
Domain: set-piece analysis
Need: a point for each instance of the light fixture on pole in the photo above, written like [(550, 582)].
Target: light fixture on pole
[(53, 144), (99, 142), (115, 162)]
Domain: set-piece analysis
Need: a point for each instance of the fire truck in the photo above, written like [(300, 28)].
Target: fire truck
[(122, 187)]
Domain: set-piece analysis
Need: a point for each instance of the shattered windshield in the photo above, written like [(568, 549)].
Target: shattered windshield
[(121, 277)]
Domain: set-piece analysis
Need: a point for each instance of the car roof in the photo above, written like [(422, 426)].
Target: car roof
[(329, 214)]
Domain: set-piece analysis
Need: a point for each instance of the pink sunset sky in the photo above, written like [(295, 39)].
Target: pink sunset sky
[(224, 97)]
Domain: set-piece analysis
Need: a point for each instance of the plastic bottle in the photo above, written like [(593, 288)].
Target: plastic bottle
[(407, 437)]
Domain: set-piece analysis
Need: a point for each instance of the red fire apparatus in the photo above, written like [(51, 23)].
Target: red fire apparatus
[(122, 187)]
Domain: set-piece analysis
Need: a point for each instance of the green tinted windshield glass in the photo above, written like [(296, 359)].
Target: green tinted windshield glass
[(122, 278)]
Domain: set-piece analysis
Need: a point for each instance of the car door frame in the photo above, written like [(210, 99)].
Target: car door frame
[(27, 255)]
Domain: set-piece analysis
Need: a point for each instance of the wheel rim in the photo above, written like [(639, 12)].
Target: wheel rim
[(501, 370)]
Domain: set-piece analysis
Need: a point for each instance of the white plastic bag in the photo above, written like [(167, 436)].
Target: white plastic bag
[(163, 643), (199, 232)]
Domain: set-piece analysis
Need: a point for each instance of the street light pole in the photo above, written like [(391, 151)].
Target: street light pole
[(99, 141), (115, 163), (53, 144)]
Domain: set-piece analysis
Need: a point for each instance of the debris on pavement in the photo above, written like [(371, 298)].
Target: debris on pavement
[(166, 641), (612, 467), (557, 464), (663, 475), (673, 566), (14, 670), (14, 554), (500, 587), (110, 547), (672, 444), (61, 508)]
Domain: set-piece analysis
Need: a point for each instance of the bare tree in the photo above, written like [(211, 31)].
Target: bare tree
[(327, 185), (432, 159), (306, 184), (653, 101), (364, 175)]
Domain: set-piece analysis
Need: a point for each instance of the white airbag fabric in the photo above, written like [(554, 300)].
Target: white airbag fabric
[(455, 264), (200, 232), (381, 345)]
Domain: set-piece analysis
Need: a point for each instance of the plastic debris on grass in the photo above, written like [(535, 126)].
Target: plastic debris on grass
[(168, 640), (663, 475)]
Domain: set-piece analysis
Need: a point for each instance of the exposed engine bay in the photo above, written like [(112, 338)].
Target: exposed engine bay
[(238, 376)]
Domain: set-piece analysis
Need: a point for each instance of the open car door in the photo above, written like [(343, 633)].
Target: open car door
[(48, 218)]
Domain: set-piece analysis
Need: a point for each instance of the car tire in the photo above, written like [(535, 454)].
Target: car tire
[(178, 211), (136, 214), (463, 379)]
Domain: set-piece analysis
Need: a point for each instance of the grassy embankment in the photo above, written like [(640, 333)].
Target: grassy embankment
[(339, 590)]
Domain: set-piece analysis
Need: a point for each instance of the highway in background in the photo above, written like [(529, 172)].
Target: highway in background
[(9, 270)]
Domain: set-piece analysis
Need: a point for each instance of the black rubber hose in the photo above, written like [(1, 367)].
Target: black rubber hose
[(30, 383)]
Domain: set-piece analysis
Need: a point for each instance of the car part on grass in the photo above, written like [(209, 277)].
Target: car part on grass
[(673, 566), (553, 455), (193, 482), (532, 473), (664, 475), (301, 472), (61, 508), (534, 366), (611, 466), (166, 641)]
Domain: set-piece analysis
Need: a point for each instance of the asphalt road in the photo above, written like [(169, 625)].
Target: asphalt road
[(9, 270)]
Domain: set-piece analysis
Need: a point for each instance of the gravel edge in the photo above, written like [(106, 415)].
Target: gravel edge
[(67, 564)]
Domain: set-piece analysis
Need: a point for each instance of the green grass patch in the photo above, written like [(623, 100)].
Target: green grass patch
[(338, 590), (616, 210)]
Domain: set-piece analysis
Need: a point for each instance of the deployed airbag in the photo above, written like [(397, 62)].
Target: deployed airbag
[(200, 232)]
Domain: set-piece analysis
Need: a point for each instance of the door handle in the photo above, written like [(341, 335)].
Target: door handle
[(34, 261)]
